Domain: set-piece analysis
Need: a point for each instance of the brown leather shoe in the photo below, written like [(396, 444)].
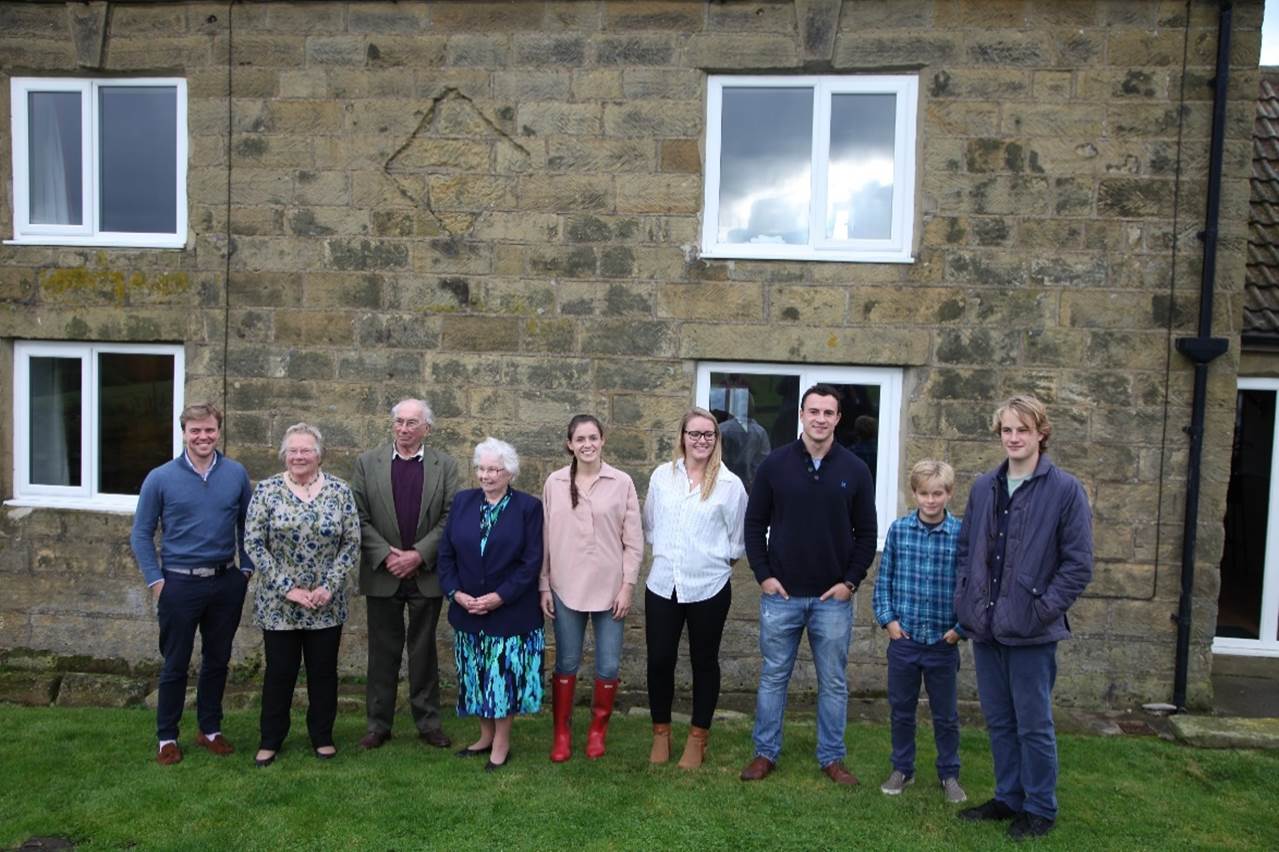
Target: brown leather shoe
[(836, 772), (758, 769), (436, 737), (169, 754), (218, 745), (375, 739)]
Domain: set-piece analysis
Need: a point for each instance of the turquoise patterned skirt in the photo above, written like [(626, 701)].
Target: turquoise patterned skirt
[(498, 676)]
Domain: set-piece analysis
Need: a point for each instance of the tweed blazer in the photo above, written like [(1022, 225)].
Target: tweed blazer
[(371, 487)]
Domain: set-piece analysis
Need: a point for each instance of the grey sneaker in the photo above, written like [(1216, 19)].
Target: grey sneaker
[(954, 793), (897, 781)]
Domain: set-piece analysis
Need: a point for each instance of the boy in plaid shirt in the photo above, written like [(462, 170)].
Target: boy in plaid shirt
[(914, 602)]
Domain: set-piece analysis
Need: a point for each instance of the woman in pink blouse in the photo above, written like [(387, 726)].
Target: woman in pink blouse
[(593, 545)]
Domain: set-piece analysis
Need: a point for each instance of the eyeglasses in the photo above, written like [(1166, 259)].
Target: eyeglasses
[(700, 436), (303, 451), (407, 424), (491, 471)]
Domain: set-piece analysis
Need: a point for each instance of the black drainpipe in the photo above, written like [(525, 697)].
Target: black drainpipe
[(1201, 351)]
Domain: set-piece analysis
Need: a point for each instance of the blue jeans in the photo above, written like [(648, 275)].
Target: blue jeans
[(1015, 684), (830, 626), (937, 666), (212, 606), (570, 633)]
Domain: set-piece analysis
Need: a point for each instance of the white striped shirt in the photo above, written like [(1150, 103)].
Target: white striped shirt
[(694, 541)]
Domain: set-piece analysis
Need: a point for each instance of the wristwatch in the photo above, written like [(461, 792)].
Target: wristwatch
[(852, 588)]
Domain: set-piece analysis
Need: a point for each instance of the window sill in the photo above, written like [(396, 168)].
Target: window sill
[(148, 242), (117, 505), (823, 256)]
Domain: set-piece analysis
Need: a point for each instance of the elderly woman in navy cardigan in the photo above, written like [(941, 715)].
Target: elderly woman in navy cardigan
[(489, 561)]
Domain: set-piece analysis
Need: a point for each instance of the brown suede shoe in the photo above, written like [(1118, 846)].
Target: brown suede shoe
[(169, 754), (836, 772), (436, 737), (218, 745), (758, 769), (375, 739)]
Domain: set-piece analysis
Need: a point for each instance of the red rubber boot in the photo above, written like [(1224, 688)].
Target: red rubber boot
[(562, 687), (601, 710)]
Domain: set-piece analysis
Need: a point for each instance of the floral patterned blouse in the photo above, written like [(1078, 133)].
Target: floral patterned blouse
[(295, 543)]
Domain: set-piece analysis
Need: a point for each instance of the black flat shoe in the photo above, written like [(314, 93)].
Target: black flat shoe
[(262, 762), (477, 752), (490, 766), (322, 756)]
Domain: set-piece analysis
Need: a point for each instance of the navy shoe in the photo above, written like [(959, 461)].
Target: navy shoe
[(992, 809), (1027, 825)]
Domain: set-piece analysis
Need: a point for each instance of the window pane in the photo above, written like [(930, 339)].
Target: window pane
[(766, 140), (55, 421), (53, 154), (135, 418), (756, 413), (138, 157), (1243, 561), (859, 192), (858, 427)]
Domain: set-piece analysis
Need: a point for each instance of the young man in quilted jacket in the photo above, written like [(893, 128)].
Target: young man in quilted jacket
[(1024, 556)]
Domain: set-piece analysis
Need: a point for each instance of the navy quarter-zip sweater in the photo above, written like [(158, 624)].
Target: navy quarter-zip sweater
[(811, 526)]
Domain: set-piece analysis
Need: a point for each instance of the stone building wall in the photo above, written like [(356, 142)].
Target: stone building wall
[(496, 204)]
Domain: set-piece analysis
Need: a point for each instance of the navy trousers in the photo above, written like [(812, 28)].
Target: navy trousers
[(212, 606), (937, 666), (1015, 684)]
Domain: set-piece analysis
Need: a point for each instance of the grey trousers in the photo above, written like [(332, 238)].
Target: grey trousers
[(386, 646)]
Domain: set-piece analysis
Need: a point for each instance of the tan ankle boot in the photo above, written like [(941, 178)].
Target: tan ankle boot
[(694, 748), (661, 744)]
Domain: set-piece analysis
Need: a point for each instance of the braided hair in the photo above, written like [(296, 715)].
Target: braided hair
[(578, 420)]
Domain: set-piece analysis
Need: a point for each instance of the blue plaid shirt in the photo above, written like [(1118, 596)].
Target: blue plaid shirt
[(916, 582)]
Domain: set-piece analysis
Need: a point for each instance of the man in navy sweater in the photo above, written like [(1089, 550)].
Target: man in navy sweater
[(810, 538), (199, 500)]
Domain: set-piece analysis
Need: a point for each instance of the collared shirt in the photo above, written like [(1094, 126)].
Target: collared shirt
[(418, 456), (916, 582), (203, 474), (589, 551), (694, 541)]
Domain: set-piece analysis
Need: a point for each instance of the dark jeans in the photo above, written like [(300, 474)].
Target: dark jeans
[(386, 647), (937, 666), (664, 621), (211, 605), (285, 650), (1015, 684)]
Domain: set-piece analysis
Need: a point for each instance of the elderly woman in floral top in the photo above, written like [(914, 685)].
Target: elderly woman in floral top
[(303, 532)]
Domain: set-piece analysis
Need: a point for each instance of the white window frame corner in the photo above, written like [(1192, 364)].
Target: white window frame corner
[(899, 248), (87, 233)]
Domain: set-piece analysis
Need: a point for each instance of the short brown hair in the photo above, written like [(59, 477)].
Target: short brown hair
[(929, 469), (1028, 410), (200, 411)]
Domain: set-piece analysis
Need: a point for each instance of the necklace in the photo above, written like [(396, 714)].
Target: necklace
[(306, 487)]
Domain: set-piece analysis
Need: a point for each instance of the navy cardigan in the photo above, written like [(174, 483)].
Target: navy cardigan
[(510, 566)]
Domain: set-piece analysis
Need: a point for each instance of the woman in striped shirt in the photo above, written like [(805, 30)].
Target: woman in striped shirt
[(693, 518)]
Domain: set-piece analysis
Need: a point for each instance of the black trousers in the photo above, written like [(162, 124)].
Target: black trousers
[(386, 648), (210, 605), (285, 650), (664, 620)]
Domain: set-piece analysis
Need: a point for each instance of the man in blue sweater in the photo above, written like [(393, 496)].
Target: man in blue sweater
[(199, 500), (810, 538)]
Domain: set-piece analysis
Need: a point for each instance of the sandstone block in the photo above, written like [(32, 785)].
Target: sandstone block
[(79, 689)]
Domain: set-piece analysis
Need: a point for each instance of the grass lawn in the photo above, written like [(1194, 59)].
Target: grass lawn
[(88, 775)]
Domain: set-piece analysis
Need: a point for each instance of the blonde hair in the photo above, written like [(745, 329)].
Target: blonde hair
[(1028, 410), (712, 463), (929, 469)]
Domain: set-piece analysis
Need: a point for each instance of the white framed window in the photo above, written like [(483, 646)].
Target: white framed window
[(1248, 596), (810, 168), (758, 409), (99, 162), (90, 420)]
